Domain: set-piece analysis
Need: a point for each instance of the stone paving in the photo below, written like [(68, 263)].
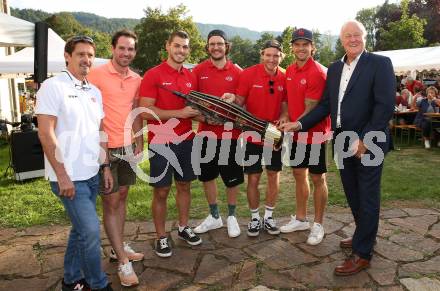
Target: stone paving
[(407, 257)]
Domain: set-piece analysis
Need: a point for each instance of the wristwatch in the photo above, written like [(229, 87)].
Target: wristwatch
[(104, 166)]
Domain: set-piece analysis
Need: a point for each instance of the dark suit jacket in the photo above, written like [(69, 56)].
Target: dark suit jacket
[(369, 99)]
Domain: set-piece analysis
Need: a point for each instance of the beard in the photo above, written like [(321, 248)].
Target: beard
[(122, 63), (217, 58), (214, 55), (302, 57)]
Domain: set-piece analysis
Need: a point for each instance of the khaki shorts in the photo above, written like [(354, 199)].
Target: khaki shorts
[(122, 173)]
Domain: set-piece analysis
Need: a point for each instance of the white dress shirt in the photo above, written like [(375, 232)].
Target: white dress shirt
[(347, 71)]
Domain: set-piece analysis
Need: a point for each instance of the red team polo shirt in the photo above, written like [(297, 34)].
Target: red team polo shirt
[(254, 86), (183, 81), (214, 81), (307, 81)]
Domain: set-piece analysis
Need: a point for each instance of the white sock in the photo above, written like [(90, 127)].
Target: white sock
[(181, 228), (268, 211), (255, 213)]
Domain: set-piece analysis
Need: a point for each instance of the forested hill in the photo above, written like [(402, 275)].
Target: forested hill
[(110, 25)]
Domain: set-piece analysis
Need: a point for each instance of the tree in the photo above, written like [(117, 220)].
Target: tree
[(66, 26), (429, 10), (255, 57), (326, 54), (339, 50), (102, 41), (405, 33), (265, 36), (318, 44), (368, 18), (286, 38), (243, 52), (386, 14), (29, 14), (153, 32)]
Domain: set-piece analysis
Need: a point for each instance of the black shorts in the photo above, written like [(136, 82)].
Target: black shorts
[(300, 157), (271, 158), (168, 160), (220, 161), (123, 172)]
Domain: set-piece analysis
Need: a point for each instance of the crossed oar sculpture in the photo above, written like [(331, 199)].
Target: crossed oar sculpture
[(215, 108)]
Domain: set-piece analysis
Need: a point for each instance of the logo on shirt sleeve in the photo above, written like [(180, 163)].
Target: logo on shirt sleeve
[(166, 83)]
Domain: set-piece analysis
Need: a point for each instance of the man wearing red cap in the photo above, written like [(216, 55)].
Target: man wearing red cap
[(305, 82), (218, 76)]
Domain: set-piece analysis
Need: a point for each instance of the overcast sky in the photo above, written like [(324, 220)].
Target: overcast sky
[(257, 15)]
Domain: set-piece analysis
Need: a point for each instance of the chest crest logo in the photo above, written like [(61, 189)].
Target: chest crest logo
[(189, 85), (229, 78), (303, 81)]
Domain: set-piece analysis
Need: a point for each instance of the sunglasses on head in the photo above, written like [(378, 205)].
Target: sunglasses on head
[(271, 90), (80, 38)]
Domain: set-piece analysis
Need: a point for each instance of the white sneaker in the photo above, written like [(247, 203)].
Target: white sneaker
[(427, 144), (316, 234), (131, 254), (127, 276), (233, 227), (295, 225), (208, 224)]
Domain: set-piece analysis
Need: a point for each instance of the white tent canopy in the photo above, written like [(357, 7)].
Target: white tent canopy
[(411, 60), (22, 62), (15, 31)]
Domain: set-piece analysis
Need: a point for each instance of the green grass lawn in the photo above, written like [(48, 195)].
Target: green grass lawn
[(411, 175)]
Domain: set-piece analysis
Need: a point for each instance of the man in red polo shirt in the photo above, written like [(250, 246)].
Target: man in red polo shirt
[(170, 138), (305, 82), (218, 76), (262, 90)]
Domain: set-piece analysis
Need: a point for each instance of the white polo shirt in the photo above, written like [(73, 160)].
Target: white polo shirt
[(78, 108)]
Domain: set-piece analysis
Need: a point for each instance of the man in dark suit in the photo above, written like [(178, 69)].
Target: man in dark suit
[(359, 96)]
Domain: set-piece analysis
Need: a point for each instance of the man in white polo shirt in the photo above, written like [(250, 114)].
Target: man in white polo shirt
[(69, 112)]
